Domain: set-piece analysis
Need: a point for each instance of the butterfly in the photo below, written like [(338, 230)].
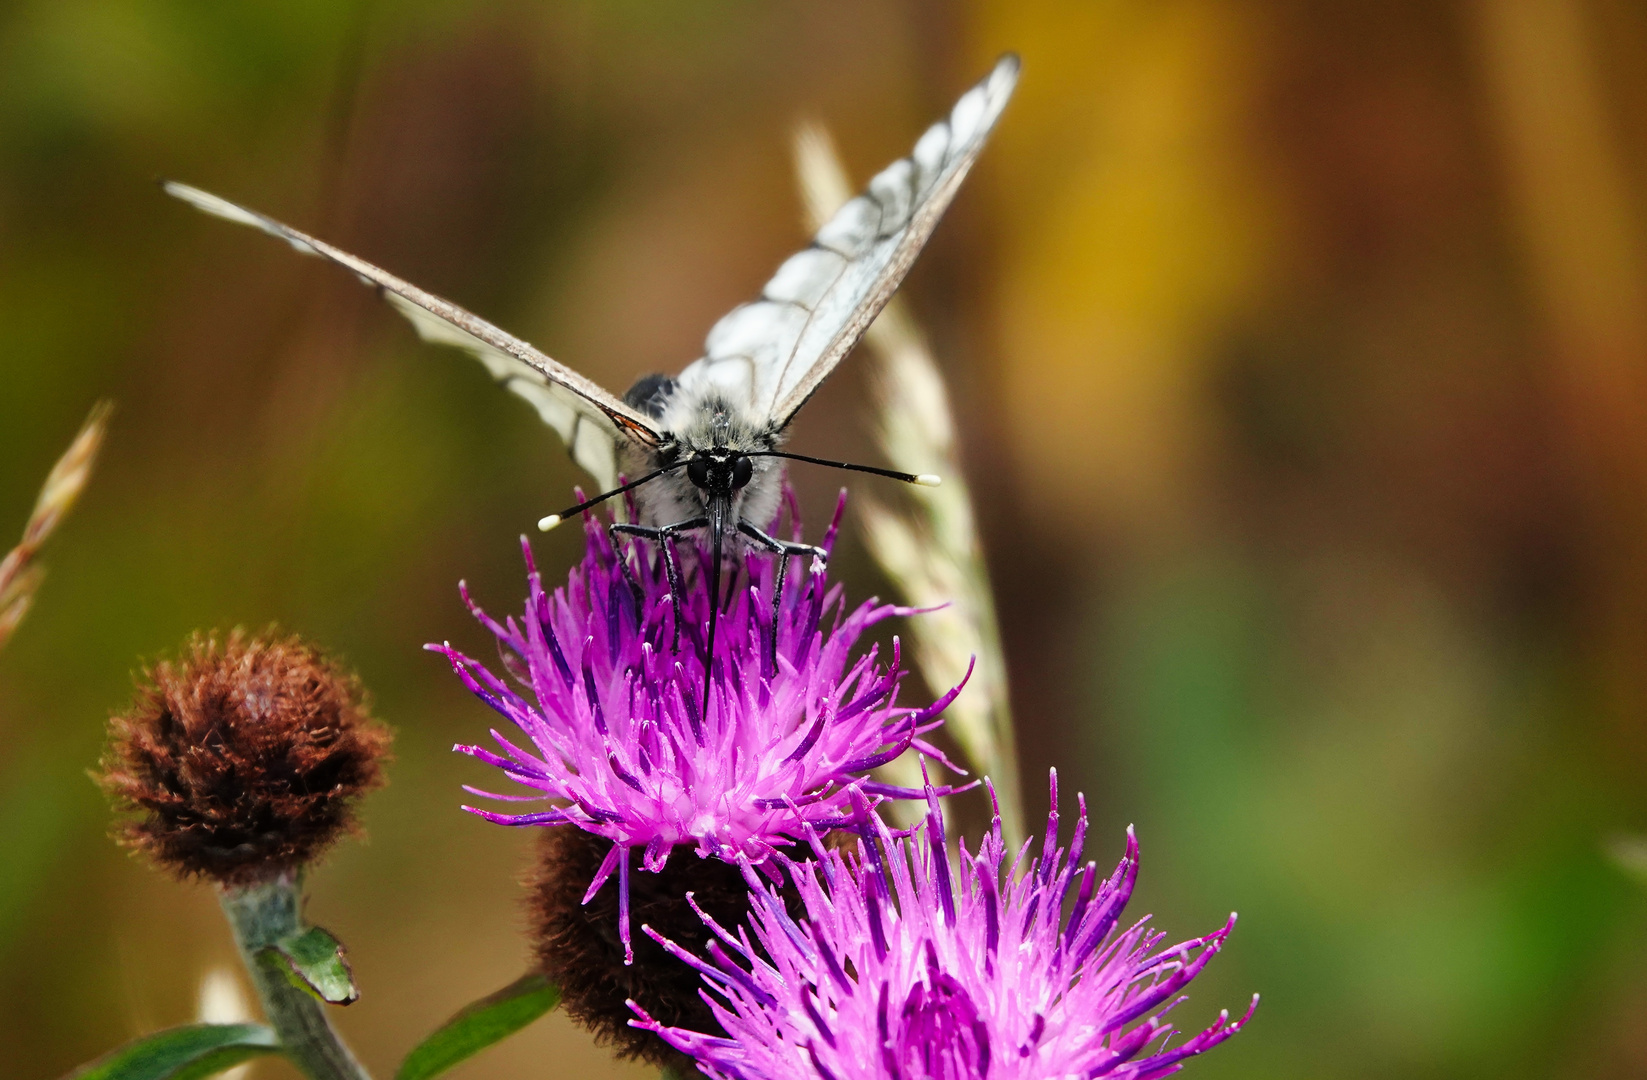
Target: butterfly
[(704, 446)]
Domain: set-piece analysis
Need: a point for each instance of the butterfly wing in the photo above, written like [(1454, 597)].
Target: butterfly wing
[(778, 349), (586, 416)]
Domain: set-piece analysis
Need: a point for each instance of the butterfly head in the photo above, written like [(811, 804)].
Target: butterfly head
[(719, 447), (720, 471)]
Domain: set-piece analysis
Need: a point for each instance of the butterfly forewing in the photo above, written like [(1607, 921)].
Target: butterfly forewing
[(589, 419), (775, 351)]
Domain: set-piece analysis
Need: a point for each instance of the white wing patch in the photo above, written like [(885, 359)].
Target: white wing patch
[(772, 353), (588, 418)]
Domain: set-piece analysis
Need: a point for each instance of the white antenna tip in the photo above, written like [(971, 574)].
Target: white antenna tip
[(545, 524), (929, 480)]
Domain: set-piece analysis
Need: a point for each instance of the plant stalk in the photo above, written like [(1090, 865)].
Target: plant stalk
[(262, 915)]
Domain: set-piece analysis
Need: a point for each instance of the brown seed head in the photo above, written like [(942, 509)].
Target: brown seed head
[(577, 945), (243, 758)]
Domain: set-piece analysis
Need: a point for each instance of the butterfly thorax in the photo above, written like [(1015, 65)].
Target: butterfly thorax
[(713, 437)]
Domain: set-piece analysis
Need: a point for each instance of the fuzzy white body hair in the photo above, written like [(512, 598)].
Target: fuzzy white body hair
[(700, 419)]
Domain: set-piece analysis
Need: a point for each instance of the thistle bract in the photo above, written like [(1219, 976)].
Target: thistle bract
[(612, 707), (903, 968)]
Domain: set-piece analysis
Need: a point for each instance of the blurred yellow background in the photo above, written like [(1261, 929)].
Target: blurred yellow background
[(1301, 355)]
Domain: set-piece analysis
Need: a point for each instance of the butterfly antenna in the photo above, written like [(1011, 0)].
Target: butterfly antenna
[(547, 523), (922, 479)]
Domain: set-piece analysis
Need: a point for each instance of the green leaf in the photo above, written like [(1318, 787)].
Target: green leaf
[(182, 1053), (314, 961), (480, 1024)]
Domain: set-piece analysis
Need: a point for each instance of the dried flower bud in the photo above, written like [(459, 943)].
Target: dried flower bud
[(244, 759), (578, 948)]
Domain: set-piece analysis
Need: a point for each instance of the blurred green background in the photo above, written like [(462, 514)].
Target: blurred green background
[(1301, 352)]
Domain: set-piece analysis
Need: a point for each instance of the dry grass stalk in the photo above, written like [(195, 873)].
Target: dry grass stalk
[(221, 999), (20, 576), (932, 555)]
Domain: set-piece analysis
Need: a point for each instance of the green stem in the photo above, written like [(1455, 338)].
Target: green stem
[(262, 915)]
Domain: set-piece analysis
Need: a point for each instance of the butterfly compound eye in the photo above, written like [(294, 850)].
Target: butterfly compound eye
[(697, 471), (742, 470)]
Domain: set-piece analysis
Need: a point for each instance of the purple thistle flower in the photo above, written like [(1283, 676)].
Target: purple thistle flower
[(617, 734), (902, 971)]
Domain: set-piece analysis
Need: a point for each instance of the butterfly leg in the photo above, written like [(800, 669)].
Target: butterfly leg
[(783, 549), (635, 592), (662, 535)]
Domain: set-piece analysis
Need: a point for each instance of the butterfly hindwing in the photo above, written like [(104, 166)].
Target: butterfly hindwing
[(588, 418)]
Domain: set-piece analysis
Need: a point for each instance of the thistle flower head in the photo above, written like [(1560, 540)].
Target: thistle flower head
[(243, 758), (907, 968), (612, 708)]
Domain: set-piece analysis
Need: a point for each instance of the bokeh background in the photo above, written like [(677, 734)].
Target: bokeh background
[(1301, 355)]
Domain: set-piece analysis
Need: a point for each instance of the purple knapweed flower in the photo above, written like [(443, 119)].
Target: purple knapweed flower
[(613, 709), (905, 970)]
